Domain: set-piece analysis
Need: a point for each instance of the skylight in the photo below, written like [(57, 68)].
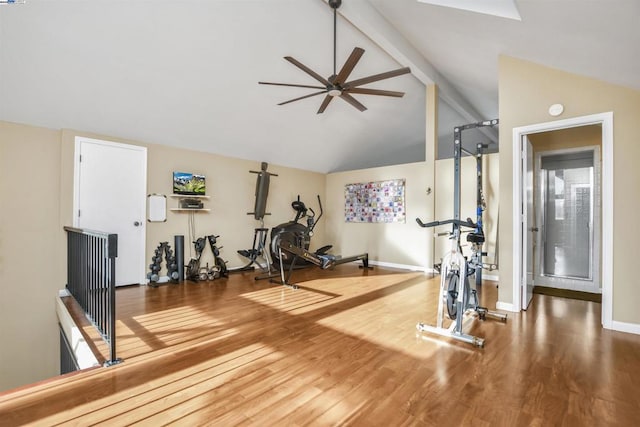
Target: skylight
[(500, 8)]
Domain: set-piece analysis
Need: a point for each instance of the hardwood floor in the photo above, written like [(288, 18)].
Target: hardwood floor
[(341, 350)]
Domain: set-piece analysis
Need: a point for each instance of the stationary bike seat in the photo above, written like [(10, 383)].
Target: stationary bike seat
[(475, 237)]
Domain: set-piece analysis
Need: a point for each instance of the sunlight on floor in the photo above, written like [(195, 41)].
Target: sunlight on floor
[(395, 329), (314, 294), (128, 339), (170, 326), (167, 391), (354, 298), (286, 299)]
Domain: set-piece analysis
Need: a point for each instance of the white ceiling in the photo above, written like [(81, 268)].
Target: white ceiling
[(185, 72)]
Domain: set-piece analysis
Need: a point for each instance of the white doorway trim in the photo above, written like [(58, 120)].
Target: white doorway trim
[(606, 121)]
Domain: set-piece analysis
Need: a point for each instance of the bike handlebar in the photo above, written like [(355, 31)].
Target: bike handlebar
[(467, 223), (313, 222)]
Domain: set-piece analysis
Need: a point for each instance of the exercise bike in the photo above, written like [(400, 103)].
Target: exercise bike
[(456, 292)]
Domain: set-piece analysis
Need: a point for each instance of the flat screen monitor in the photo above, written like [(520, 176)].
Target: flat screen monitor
[(189, 184)]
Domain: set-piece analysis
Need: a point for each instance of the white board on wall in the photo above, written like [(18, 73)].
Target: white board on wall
[(156, 208)]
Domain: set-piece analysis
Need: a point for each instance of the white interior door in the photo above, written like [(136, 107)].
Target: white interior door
[(110, 196), (528, 226)]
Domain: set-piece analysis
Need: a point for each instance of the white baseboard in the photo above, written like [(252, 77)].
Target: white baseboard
[(505, 306), (260, 265), (630, 328), (401, 266), (489, 277)]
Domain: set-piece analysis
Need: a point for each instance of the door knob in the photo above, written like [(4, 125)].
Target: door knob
[(137, 223), (533, 229)]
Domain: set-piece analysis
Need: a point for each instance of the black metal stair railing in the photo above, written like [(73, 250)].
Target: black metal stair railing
[(91, 280)]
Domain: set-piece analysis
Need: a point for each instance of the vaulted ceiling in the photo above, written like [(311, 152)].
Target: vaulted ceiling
[(185, 73)]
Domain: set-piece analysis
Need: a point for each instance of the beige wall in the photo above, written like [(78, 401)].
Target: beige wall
[(526, 91), (30, 260), (231, 188), (395, 243), (444, 202), (402, 244), (37, 193)]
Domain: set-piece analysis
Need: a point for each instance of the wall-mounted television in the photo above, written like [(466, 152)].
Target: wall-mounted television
[(189, 184)]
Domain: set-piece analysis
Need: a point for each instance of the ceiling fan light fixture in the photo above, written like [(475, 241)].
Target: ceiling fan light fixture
[(334, 92)]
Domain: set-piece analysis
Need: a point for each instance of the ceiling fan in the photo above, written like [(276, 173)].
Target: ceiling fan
[(337, 85)]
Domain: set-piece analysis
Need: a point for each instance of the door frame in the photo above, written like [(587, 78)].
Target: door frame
[(519, 211), (528, 197), (143, 202)]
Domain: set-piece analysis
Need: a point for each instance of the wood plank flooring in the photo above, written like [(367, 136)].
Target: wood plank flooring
[(341, 350)]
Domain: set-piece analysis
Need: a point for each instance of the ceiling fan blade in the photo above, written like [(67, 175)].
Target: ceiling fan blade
[(308, 70), (351, 100), (303, 97), (325, 102), (292, 85), (376, 77), (348, 66), (365, 91)]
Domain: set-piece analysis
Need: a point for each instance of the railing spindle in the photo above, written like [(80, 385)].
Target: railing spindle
[(91, 273)]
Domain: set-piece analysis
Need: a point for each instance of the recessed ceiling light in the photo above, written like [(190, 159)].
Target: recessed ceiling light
[(500, 8)]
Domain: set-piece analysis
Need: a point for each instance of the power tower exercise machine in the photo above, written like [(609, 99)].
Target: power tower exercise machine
[(259, 248), (477, 252), (456, 292)]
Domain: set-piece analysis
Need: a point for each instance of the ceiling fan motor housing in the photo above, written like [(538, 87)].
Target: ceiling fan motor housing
[(335, 3)]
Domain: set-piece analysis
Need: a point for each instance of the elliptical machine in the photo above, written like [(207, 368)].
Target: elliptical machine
[(296, 233), (290, 245)]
